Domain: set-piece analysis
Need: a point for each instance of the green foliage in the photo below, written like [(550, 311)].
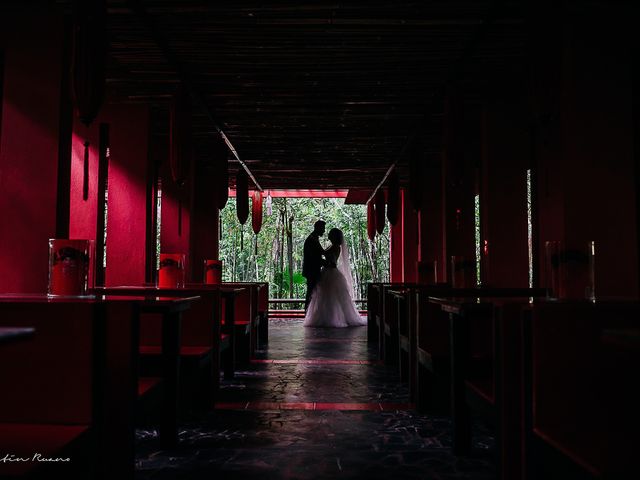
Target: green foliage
[(296, 216)]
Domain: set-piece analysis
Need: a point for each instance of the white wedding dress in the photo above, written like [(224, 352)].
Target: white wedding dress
[(331, 302)]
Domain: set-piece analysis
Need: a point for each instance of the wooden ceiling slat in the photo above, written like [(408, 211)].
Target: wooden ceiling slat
[(320, 94)]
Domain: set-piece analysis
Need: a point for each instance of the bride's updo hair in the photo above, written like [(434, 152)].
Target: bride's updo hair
[(335, 236)]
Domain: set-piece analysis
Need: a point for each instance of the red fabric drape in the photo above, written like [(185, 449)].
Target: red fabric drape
[(89, 58), (393, 199), (242, 195), (221, 162), (256, 211), (371, 221), (379, 207), (180, 137)]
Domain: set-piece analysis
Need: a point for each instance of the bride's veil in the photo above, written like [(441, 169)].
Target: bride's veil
[(344, 265)]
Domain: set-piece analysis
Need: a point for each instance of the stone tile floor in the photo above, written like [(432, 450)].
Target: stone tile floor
[(314, 416)]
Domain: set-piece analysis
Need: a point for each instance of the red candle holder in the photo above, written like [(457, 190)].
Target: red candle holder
[(213, 272), (570, 271), (463, 274), (428, 272), (172, 270), (69, 267)]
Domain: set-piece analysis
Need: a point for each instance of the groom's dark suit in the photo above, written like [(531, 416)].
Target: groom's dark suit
[(312, 263)]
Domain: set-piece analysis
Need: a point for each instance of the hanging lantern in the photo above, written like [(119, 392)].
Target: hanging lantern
[(89, 58), (181, 151), (371, 221), (256, 211), (393, 200), (379, 208), (415, 176), (242, 195), (221, 163)]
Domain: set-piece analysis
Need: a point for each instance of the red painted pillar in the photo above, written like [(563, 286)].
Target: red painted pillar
[(410, 240), (461, 154), (204, 222), (127, 207), (503, 195), (431, 226), (396, 263), (32, 48), (177, 203)]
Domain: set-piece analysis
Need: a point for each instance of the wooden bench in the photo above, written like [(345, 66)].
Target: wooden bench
[(581, 400), (247, 318), (374, 304), (486, 375), (263, 314), (200, 342), (379, 308), (433, 345)]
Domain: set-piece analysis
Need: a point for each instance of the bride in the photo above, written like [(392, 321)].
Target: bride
[(332, 303)]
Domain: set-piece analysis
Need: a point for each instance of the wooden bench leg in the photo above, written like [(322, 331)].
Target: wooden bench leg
[(171, 369), (459, 410)]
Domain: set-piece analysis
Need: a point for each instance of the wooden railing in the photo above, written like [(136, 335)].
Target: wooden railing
[(300, 302)]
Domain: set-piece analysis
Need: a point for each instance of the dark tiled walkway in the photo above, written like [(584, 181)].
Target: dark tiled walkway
[(316, 405)]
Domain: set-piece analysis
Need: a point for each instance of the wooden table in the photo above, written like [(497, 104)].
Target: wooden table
[(170, 308)]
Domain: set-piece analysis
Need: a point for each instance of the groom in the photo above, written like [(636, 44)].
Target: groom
[(312, 260)]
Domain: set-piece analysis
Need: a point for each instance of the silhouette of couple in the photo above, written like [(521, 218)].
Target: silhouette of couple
[(329, 301)]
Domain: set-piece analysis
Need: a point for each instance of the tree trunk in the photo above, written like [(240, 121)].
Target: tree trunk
[(234, 256), (255, 259), (281, 253), (290, 254)]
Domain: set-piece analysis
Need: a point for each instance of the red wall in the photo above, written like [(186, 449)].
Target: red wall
[(396, 240), (174, 198), (205, 225), (29, 148), (503, 205), (431, 221), (585, 159), (83, 213), (460, 157), (126, 227)]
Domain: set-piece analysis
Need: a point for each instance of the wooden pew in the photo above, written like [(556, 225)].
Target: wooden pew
[(378, 308), (263, 314), (581, 400), (433, 345), (247, 318), (374, 302), (201, 341), (400, 326), (405, 309), (69, 392), (486, 375), (238, 321), (432, 355)]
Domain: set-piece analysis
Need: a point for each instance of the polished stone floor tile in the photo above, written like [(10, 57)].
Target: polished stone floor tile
[(316, 405)]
